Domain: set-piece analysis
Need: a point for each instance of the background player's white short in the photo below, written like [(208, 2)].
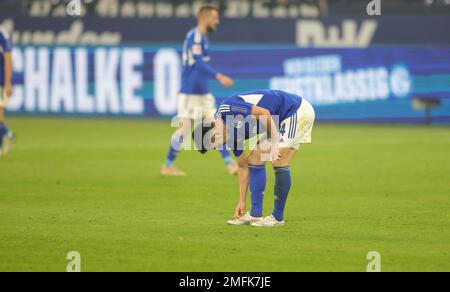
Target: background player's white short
[(298, 127), (192, 106), (3, 98)]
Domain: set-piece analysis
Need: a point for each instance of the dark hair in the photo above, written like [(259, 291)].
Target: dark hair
[(206, 9), (204, 130)]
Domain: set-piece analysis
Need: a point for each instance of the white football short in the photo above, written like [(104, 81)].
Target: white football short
[(194, 106), (297, 129)]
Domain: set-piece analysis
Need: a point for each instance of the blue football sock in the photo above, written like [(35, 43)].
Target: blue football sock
[(175, 147), (282, 187), (226, 156), (3, 131), (257, 187)]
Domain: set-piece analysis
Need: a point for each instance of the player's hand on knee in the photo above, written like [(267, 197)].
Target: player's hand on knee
[(275, 154)]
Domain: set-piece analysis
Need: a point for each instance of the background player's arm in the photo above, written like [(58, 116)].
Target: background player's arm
[(224, 80), (207, 68), (197, 52), (243, 177), (8, 73), (202, 65)]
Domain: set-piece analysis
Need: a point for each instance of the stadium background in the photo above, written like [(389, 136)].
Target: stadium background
[(377, 67), (93, 96)]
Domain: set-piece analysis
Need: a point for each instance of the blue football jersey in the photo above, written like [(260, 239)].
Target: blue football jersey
[(196, 68), (5, 46), (280, 104)]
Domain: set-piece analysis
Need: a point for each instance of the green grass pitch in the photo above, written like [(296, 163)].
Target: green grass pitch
[(93, 186)]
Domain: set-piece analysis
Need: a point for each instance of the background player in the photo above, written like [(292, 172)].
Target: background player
[(265, 108), (194, 99), (6, 136)]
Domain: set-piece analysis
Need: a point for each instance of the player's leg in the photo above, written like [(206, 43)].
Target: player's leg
[(297, 131), (257, 185), (209, 109), (229, 162), (282, 187), (3, 129), (176, 142), (6, 136), (186, 108), (282, 181)]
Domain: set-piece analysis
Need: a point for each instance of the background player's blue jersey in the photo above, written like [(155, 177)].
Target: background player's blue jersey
[(279, 103), (196, 68), (5, 46)]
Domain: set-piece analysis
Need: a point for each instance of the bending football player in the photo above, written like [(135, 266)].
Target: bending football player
[(280, 122)]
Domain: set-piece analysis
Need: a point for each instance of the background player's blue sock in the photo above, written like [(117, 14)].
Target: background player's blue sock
[(226, 156), (282, 187), (3, 131), (174, 149), (257, 187)]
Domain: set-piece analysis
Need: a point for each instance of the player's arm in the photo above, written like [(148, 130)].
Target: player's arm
[(224, 80), (8, 73), (197, 52), (243, 178), (264, 116), (204, 66), (208, 69)]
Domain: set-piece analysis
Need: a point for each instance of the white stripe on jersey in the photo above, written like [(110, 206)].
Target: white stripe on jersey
[(225, 108), (252, 98)]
